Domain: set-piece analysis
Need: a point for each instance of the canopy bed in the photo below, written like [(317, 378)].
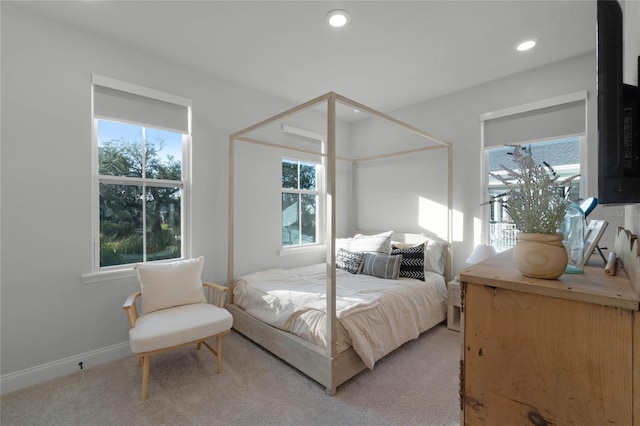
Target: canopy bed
[(334, 318)]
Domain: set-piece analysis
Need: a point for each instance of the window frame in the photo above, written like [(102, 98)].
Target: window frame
[(481, 227), (100, 273), (320, 203)]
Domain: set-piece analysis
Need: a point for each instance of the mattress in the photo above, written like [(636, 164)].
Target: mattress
[(374, 315)]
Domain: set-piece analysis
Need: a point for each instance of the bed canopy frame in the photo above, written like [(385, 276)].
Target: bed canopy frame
[(323, 365)]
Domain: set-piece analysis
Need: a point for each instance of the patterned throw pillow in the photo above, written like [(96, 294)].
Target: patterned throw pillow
[(412, 265), (381, 265), (349, 261)]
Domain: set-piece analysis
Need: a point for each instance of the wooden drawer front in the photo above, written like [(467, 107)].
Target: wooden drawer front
[(531, 359)]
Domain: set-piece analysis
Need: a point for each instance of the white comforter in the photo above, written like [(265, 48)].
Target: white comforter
[(375, 315)]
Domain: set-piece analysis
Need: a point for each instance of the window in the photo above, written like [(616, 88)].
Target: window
[(299, 203), (141, 160), (140, 193), (562, 154), (549, 121)]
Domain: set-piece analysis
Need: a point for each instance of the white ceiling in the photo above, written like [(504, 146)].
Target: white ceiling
[(392, 53)]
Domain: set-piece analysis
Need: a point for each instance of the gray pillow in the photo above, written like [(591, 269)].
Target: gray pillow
[(381, 265)]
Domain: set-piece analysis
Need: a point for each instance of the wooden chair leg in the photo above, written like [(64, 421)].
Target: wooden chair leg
[(219, 353), (146, 365)]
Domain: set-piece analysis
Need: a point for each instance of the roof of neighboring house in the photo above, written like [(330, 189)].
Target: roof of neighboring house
[(558, 152)]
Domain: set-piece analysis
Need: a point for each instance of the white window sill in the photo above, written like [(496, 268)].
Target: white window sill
[(118, 274), (286, 251)]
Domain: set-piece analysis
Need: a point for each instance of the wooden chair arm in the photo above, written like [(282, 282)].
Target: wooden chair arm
[(131, 308), (215, 293)]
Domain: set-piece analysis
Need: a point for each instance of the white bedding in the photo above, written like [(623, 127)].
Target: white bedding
[(375, 315)]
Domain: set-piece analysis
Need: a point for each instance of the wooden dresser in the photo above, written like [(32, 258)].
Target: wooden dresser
[(548, 352)]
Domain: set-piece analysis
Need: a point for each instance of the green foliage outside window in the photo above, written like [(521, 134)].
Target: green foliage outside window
[(131, 213), (299, 203)]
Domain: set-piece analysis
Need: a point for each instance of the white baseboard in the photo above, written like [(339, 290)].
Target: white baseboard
[(51, 370)]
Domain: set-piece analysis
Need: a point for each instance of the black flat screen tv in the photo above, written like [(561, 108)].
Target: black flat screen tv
[(618, 113)]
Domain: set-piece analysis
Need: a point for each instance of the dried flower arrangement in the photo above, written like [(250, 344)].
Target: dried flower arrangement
[(536, 198)]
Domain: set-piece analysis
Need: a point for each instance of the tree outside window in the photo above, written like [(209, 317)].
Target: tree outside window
[(140, 193), (299, 203)]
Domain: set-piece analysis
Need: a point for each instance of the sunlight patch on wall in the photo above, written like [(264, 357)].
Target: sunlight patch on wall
[(432, 217)]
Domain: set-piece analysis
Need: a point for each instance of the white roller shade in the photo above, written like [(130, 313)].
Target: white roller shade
[(131, 103), (553, 121)]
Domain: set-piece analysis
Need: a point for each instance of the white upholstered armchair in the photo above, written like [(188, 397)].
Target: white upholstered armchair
[(177, 309)]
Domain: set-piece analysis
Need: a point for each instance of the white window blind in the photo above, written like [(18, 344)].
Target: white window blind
[(564, 115), (544, 123), (128, 102)]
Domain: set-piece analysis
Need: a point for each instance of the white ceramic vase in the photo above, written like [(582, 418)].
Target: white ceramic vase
[(540, 255)]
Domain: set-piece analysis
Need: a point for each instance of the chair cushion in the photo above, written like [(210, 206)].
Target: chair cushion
[(165, 285), (176, 326)]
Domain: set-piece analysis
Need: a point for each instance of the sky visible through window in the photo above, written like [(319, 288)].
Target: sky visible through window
[(111, 130)]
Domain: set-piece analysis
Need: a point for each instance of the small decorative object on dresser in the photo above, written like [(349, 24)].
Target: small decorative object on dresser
[(533, 202), (540, 255), (592, 236)]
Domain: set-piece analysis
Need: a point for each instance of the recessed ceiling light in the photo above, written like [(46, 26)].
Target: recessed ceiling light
[(338, 18), (526, 45)]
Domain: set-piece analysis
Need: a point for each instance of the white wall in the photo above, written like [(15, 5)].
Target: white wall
[(48, 314), (631, 37), (403, 193)]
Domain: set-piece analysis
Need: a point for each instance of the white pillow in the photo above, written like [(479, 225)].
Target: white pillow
[(165, 285), (433, 259), (343, 243), (377, 244)]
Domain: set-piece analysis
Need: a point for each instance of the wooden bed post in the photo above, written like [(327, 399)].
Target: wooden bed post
[(449, 270), (230, 218), (331, 230)]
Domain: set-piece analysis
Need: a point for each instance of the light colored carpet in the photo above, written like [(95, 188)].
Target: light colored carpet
[(415, 385)]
